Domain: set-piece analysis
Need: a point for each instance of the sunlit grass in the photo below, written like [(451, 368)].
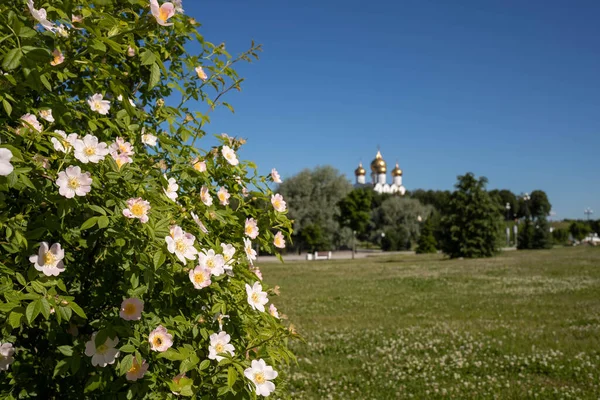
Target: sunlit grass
[(520, 325)]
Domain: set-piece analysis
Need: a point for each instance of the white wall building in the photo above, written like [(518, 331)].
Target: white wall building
[(379, 177)]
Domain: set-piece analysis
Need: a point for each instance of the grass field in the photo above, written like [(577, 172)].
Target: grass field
[(521, 325)]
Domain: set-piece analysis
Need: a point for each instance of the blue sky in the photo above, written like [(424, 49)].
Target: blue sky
[(509, 90)]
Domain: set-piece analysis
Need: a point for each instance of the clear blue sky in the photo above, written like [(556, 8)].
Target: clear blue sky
[(505, 89)]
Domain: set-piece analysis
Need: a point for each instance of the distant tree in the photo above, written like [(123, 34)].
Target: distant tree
[(427, 242), (540, 206), (312, 197), (579, 230), (472, 221), (355, 211), (395, 240), (397, 217), (542, 238), (560, 235), (525, 237), (502, 197), (436, 198)]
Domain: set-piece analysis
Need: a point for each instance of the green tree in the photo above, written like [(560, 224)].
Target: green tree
[(313, 197), (118, 261), (560, 236), (540, 207), (542, 238), (472, 221), (355, 211), (427, 242), (503, 197), (397, 217), (525, 236), (579, 230)]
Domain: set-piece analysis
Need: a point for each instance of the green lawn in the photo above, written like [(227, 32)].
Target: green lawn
[(521, 325)]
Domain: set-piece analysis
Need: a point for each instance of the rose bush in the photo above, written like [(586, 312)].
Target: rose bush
[(120, 277)]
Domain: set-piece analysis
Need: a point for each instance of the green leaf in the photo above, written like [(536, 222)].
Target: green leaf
[(77, 310), (21, 279), (45, 82), (7, 107), (204, 364), (172, 355), (89, 223), (148, 57), (96, 208), (45, 307), (61, 367), (188, 363), (126, 364), (14, 319), (66, 350), (154, 76), (128, 348), (12, 59), (231, 376), (103, 222), (33, 310), (159, 259), (93, 383)]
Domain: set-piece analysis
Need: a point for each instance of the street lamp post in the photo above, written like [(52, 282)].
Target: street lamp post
[(588, 211), (507, 227)]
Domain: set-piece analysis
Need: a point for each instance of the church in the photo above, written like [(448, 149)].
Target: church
[(379, 177)]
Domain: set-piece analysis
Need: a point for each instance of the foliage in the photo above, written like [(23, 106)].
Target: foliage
[(503, 197), (540, 206), (398, 218), (525, 235), (579, 230), (355, 211), (313, 197), (542, 238), (70, 74), (471, 224), (427, 242), (560, 236), (436, 198)]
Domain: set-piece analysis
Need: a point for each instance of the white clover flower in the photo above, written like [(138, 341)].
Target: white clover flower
[(229, 155), (99, 105), (214, 262), (7, 350), (65, 144), (49, 260), (199, 223), (31, 121), (137, 208), (5, 166), (250, 229), (250, 252), (261, 375), (171, 190), (73, 182), (219, 344), (199, 166), (275, 176), (131, 309), (57, 59), (279, 240), (40, 16), (205, 196), (273, 311), (47, 114), (256, 297), (136, 371), (223, 196), (89, 149), (160, 340), (162, 13), (148, 139), (201, 74), (228, 252), (200, 277), (278, 202), (181, 244), (104, 354)]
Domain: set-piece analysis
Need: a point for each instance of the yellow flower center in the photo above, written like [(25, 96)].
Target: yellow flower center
[(130, 309), (210, 263), (134, 368), (101, 349), (222, 196), (249, 230), (199, 277), (157, 341), (197, 166), (89, 151), (254, 297), (278, 241), (73, 183), (259, 378), (180, 246), (119, 162), (138, 209), (57, 59), (123, 148), (49, 258), (163, 14), (219, 348)]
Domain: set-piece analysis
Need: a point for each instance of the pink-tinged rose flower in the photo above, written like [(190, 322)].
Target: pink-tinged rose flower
[(46, 114), (223, 196), (229, 155), (131, 309), (7, 351), (250, 252), (162, 13), (58, 58), (279, 241), (275, 176), (104, 354), (199, 166), (205, 196), (31, 121), (65, 143), (250, 228), (49, 260), (273, 311), (89, 149), (73, 182), (278, 202), (181, 244), (219, 344), (200, 277), (261, 375), (201, 74), (160, 340), (256, 297), (137, 208), (5, 166), (136, 371), (98, 104), (41, 17), (214, 262), (199, 223)]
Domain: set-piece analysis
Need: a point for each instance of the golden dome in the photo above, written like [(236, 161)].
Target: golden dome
[(378, 165), (397, 171), (360, 171)]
